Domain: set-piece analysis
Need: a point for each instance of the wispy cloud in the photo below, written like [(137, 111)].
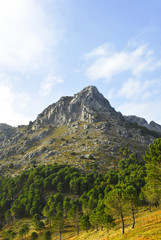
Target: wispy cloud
[(48, 83), (136, 61), (103, 50), (26, 35), (141, 98), (135, 92), (23, 99), (134, 89), (29, 36)]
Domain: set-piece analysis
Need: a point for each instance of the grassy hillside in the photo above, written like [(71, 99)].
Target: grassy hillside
[(147, 228)]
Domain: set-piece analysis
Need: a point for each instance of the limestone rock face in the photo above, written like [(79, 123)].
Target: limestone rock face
[(88, 106), (6, 132), (4, 126), (152, 126), (134, 119)]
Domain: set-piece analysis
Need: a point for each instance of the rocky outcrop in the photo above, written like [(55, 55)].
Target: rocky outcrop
[(88, 106), (6, 133), (152, 126)]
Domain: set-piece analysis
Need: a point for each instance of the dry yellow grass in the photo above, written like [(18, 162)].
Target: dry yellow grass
[(148, 227)]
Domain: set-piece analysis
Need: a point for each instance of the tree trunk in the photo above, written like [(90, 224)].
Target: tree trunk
[(122, 220), (77, 229), (149, 206), (133, 217), (50, 222), (107, 228), (60, 233)]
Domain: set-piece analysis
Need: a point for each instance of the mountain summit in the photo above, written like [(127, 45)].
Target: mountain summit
[(80, 130), (89, 105)]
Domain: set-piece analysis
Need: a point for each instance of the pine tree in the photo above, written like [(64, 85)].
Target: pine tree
[(59, 223), (152, 189)]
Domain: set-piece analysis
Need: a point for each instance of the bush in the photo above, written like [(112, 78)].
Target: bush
[(47, 235), (34, 236)]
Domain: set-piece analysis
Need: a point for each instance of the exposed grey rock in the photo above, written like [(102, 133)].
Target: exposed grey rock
[(5, 126), (16, 138), (50, 154), (152, 126), (32, 141), (88, 106), (10, 152), (6, 133), (51, 141), (134, 119), (43, 135), (33, 154)]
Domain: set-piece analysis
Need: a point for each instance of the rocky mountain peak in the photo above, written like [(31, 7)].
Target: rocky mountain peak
[(88, 91), (90, 98), (88, 105)]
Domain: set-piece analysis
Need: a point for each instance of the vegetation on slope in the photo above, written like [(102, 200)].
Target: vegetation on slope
[(71, 144), (51, 200)]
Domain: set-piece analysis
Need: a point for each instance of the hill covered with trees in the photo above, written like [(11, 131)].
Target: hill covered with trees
[(58, 198)]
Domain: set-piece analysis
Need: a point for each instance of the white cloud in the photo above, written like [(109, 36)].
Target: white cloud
[(140, 98), (48, 83), (29, 35), (137, 61), (103, 50), (26, 35), (130, 88), (23, 99), (8, 113), (4, 79), (133, 88)]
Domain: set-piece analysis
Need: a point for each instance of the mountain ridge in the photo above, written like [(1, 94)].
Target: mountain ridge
[(90, 103), (79, 130), (83, 106)]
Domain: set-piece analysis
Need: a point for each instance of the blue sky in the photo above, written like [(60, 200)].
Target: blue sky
[(54, 48)]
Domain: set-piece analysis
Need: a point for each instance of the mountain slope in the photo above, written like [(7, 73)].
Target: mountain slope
[(83, 130)]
